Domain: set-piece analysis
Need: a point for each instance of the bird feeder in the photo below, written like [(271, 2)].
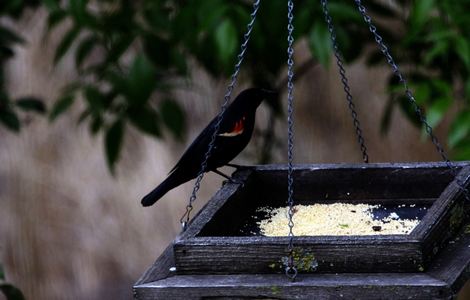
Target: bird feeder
[(218, 257), (222, 255)]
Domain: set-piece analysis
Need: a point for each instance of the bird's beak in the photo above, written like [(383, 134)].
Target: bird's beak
[(270, 94), (272, 97)]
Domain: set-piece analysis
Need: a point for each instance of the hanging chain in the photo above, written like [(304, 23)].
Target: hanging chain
[(344, 80), (246, 37), (290, 270), (409, 95)]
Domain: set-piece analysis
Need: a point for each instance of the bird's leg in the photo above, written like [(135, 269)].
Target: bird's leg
[(230, 179)]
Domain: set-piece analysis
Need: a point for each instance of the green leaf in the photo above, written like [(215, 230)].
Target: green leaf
[(462, 151), (460, 128), (226, 42), (7, 36), (463, 50), (421, 11), (2, 272), (9, 118), (319, 42), (141, 81), (422, 92), (346, 12), (145, 119), (31, 104), (113, 143), (84, 49), (437, 110), (95, 99), (65, 44), (173, 117), (55, 18), (78, 10), (118, 47), (439, 48), (51, 4), (96, 124), (11, 292), (467, 88), (63, 104)]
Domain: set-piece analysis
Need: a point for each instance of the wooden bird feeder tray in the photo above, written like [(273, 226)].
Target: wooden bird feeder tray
[(219, 256)]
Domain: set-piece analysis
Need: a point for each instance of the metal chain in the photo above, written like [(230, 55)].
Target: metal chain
[(386, 52), (344, 80), (246, 37), (290, 270)]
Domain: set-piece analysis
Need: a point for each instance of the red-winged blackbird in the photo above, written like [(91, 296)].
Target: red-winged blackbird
[(234, 134)]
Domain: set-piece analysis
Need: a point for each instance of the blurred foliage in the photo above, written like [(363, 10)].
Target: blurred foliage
[(9, 115), (127, 51), (144, 45), (434, 47), (9, 291)]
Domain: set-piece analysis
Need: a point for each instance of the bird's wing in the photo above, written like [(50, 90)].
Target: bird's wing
[(198, 145), (201, 142)]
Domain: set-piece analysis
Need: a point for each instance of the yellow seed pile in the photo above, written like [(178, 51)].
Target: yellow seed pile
[(333, 219)]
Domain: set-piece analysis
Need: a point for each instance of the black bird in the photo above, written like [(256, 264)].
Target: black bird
[(233, 135)]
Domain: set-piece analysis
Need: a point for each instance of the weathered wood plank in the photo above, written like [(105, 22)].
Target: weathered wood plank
[(348, 182), (453, 264), (325, 286), (222, 196), (445, 278), (264, 255), (161, 268), (444, 218)]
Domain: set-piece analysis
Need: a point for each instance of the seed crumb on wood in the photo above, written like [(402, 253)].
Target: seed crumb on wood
[(333, 219)]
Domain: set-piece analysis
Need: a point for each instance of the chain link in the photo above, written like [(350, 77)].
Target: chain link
[(290, 270), (409, 95), (344, 80), (246, 37)]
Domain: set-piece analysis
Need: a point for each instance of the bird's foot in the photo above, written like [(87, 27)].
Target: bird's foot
[(229, 179)]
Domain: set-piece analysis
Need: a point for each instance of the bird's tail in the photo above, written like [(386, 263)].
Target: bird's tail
[(159, 191)]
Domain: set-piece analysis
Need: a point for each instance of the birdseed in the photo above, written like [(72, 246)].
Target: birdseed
[(333, 219)]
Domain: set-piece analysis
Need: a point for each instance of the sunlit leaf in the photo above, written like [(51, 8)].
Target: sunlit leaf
[(226, 42), (437, 110), (460, 128), (421, 11), (320, 44)]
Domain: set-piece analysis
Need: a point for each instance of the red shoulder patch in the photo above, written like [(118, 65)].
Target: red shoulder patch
[(237, 129)]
